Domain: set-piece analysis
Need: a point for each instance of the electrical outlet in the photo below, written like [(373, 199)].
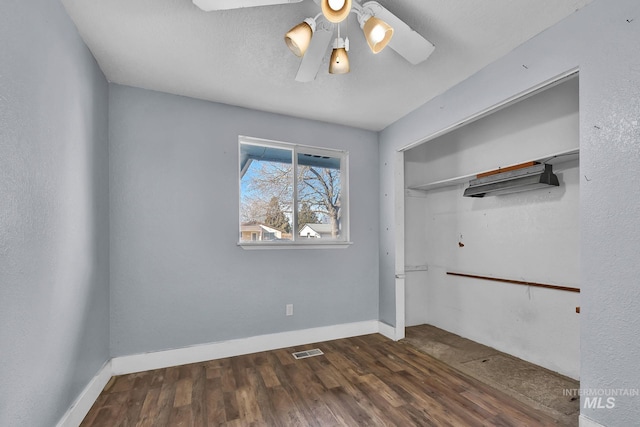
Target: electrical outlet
[(289, 310)]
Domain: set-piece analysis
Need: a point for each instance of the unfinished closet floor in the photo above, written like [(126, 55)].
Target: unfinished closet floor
[(533, 385)]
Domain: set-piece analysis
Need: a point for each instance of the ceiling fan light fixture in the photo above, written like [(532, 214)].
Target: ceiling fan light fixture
[(339, 62), (335, 10), (299, 37), (378, 33)]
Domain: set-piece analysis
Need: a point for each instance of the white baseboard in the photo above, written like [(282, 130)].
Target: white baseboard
[(79, 409), (387, 330), (584, 421), (217, 350)]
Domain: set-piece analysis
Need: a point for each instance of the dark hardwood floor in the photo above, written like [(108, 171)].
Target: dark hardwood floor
[(362, 381)]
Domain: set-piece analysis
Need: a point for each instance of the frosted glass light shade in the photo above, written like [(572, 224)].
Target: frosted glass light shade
[(378, 34), (335, 13), (298, 38), (339, 63)]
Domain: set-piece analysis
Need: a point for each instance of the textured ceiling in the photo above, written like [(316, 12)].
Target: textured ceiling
[(239, 57)]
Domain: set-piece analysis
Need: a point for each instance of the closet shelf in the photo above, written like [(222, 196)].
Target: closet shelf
[(555, 159)]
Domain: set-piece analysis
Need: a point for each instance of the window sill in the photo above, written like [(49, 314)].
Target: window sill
[(249, 246)]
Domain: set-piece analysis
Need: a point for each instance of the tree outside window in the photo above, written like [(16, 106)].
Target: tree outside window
[(273, 196)]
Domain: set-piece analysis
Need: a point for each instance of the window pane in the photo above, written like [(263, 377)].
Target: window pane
[(319, 197), (266, 193)]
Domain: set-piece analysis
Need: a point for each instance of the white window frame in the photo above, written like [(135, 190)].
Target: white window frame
[(299, 242)]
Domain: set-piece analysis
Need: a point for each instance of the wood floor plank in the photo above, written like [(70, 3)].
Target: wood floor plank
[(149, 408), (184, 389), (123, 383), (329, 378), (214, 402), (165, 400), (157, 378), (248, 405), (231, 408), (269, 376), (133, 404), (181, 416), (113, 410), (375, 385), (361, 381), (285, 410), (284, 356), (198, 397), (300, 401)]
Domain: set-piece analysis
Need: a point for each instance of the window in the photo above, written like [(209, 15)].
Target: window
[(292, 194)]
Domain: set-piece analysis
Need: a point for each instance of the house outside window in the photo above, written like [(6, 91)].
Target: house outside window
[(292, 194)]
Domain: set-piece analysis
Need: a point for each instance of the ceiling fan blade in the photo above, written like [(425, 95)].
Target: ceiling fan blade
[(316, 51), (210, 5), (406, 41)]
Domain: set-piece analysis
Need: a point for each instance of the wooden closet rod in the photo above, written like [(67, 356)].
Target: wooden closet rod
[(516, 282)]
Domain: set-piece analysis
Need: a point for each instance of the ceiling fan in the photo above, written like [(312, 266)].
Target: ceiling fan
[(311, 38)]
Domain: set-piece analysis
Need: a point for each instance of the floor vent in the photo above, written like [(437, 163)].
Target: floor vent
[(307, 353)]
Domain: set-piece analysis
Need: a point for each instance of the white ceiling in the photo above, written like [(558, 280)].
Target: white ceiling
[(239, 57)]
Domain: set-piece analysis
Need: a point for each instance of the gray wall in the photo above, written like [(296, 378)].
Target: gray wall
[(178, 277), (54, 248), (602, 40)]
